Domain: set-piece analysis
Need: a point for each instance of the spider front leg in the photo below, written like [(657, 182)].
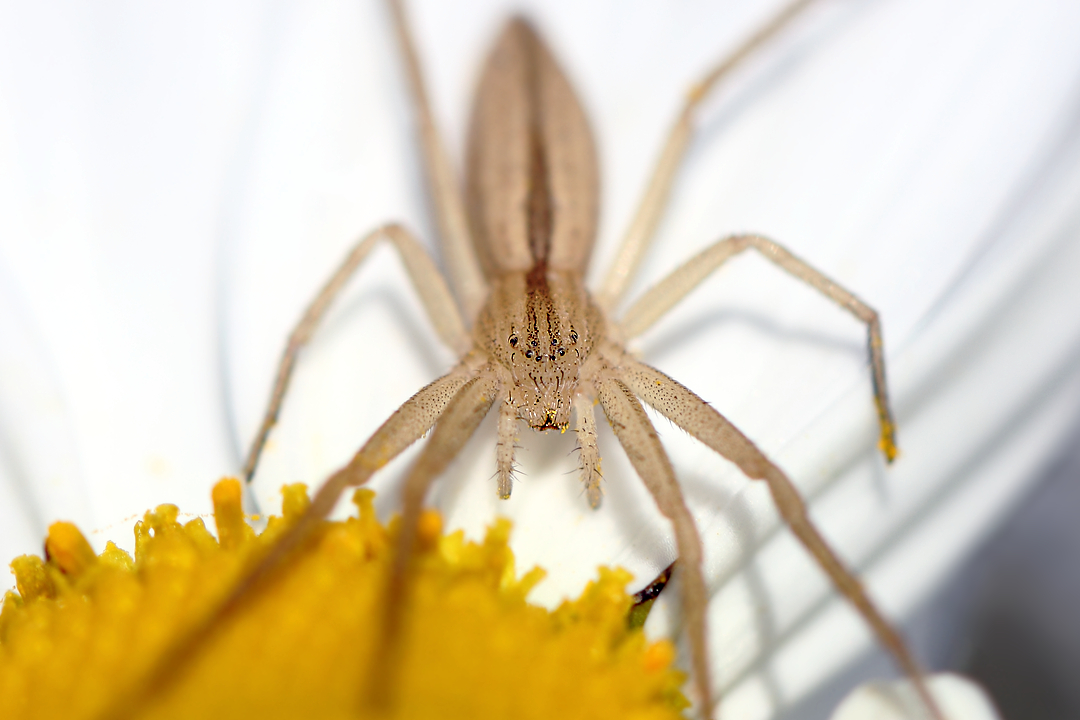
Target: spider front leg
[(429, 285), (505, 443), (642, 445), (684, 408), (452, 431), (655, 303), (408, 423), (585, 429)]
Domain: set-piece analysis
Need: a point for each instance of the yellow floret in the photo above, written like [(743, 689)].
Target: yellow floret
[(83, 630)]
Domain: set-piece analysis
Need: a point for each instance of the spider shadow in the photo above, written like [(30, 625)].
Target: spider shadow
[(421, 339), (733, 509), (676, 336), (758, 82)]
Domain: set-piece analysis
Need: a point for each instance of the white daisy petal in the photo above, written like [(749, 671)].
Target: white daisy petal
[(960, 699)]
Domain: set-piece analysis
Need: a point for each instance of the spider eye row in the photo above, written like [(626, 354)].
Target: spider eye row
[(531, 353)]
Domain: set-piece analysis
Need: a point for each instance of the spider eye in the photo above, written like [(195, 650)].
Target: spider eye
[(562, 352), (513, 341), (528, 353)]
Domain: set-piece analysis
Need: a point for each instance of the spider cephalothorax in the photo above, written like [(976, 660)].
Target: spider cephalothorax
[(539, 327)]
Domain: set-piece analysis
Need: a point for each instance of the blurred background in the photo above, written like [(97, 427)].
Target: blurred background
[(1008, 617)]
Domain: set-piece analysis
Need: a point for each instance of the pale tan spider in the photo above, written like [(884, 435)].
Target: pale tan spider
[(540, 347)]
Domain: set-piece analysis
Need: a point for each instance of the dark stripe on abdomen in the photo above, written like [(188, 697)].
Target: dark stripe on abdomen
[(539, 204)]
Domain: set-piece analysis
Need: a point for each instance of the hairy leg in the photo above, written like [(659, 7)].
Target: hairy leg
[(403, 428), (504, 449), (453, 430), (655, 303), (642, 446), (585, 429), (636, 240), (429, 285), (675, 402), (458, 250)]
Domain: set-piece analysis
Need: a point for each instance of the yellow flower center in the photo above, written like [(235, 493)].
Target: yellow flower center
[(83, 630)]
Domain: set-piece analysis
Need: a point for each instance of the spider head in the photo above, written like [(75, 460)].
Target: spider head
[(545, 380), (537, 327)]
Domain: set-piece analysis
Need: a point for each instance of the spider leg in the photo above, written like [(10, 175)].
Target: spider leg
[(585, 429), (642, 445), (640, 233), (684, 408), (429, 285), (504, 448), (404, 427), (664, 295), (458, 249), (452, 431)]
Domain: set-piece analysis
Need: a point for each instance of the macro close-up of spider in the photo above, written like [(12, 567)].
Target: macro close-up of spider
[(518, 242), (795, 236)]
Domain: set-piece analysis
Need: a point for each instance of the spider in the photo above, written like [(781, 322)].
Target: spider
[(538, 348)]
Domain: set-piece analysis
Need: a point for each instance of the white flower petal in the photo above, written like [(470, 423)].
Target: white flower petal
[(959, 698)]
